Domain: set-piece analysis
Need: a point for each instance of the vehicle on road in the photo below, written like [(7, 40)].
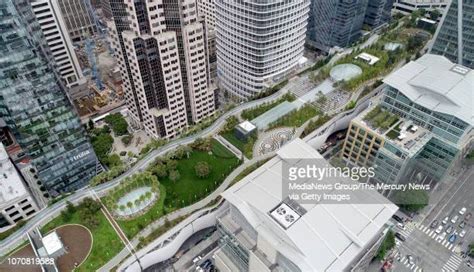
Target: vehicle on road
[(434, 224), (400, 237), (449, 229), (462, 225), (452, 238), (195, 260), (462, 233), (454, 219), (468, 216), (397, 218), (206, 264), (439, 229), (442, 236), (445, 220), (401, 226), (462, 211), (411, 260)]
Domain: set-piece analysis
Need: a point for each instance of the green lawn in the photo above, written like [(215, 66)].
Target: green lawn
[(189, 188), (254, 112), (106, 242), (295, 118), (244, 147), (133, 226)]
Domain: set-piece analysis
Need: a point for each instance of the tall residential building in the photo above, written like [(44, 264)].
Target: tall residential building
[(16, 202), (258, 42), (335, 23), (34, 106), (264, 230), (207, 8), (422, 125), (454, 37), (408, 6), (59, 43), (378, 12), (78, 18), (106, 8), (162, 54)]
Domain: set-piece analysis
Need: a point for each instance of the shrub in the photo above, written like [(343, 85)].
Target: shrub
[(202, 169), (387, 244), (202, 144), (174, 175), (118, 123), (123, 153), (127, 139), (102, 145)]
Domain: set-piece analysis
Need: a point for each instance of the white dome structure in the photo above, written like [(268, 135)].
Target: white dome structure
[(258, 41)]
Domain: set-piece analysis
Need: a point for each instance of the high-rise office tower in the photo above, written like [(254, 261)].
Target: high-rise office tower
[(335, 23), (258, 42), (378, 12), (78, 19), (408, 6), (161, 51), (207, 8), (59, 43), (454, 37), (106, 8), (34, 106)]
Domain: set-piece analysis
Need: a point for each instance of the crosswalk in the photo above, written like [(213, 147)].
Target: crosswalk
[(409, 227), (404, 261), (452, 264), (433, 235)]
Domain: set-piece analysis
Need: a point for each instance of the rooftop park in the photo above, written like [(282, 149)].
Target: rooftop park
[(252, 113), (380, 118), (245, 146), (106, 243), (296, 118)]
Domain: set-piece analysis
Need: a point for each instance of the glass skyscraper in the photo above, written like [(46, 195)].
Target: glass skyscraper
[(335, 23), (454, 38), (34, 106)]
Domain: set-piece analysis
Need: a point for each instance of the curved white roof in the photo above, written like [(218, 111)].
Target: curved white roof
[(436, 83), (328, 237)]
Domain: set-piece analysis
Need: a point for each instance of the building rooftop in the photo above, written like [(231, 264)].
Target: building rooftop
[(437, 84), (247, 126), (322, 237), (52, 243), (370, 59), (11, 184)]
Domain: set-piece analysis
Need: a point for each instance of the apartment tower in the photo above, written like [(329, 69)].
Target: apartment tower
[(258, 42), (454, 37), (162, 54), (34, 107)]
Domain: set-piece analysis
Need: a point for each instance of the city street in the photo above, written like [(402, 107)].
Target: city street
[(431, 251)]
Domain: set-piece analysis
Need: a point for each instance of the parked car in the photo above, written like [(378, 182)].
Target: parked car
[(397, 218), (197, 259), (462, 233), (462, 211), (401, 226), (454, 219), (400, 237), (462, 225), (434, 224), (452, 238), (439, 229), (449, 229), (442, 236), (206, 264), (445, 220)]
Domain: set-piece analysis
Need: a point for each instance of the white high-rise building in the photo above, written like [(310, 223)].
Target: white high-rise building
[(258, 42), (51, 22), (207, 9), (162, 54)]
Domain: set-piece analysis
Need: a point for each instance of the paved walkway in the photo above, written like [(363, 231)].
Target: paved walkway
[(181, 212)]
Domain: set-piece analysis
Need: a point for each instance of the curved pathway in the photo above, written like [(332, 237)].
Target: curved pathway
[(50, 212)]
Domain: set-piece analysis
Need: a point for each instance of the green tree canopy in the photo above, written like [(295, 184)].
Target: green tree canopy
[(202, 169), (411, 200)]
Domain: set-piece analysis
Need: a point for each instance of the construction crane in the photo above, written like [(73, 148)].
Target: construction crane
[(89, 46), (102, 32)]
